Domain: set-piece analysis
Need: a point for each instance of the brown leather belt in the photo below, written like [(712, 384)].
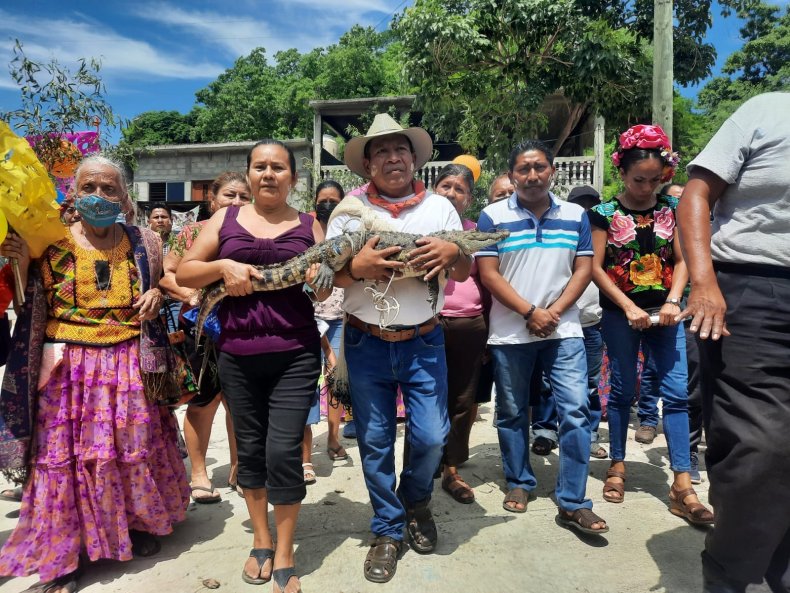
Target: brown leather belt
[(397, 333)]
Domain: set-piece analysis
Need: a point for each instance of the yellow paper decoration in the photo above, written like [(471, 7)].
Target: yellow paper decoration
[(27, 194), (3, 227)]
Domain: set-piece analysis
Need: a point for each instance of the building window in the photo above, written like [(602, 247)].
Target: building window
[(157, 192), (175, 192)]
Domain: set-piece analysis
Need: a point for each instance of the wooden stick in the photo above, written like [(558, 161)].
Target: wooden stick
[(19, 290)]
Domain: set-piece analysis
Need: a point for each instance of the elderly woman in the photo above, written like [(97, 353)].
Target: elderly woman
[(465, 327), (269, 350), (105, 475)]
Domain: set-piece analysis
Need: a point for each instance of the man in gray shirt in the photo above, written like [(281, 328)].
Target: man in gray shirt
[(740, 305)]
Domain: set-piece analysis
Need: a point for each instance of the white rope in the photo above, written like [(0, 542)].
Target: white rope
[(387, 306)]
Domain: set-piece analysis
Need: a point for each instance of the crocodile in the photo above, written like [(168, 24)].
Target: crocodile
[(333, 254)]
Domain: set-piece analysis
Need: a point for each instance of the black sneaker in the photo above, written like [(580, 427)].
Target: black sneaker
[(696, 478), (421, 528), (543, 446)]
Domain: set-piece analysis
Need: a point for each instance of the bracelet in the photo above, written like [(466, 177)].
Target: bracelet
[(350, 275), (530, 312)]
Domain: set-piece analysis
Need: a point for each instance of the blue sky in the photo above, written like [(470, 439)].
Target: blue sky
[(157, 54)]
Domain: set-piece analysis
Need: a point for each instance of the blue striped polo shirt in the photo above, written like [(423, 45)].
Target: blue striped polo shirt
[(537, 260)]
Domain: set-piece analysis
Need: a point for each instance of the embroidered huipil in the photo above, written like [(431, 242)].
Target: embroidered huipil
[(640, 256), (79, 311)]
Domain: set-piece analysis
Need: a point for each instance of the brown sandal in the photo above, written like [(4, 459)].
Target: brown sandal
[(455, 486), (581, 520), (516, 496), (695, 513), (619, 488), (382, 559)]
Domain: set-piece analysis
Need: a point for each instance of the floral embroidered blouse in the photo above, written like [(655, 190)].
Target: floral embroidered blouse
[(639, 257)]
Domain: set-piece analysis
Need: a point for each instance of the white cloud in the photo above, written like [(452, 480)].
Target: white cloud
[(236, 34), (69, 39), (300, 24)]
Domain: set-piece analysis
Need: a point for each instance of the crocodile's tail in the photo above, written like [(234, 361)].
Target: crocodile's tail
[(337, 381), (213, 295)]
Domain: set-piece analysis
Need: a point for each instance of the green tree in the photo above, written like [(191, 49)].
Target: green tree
[(483, 67), (257, 98), (56, 100), (762, 65), (152, 128)]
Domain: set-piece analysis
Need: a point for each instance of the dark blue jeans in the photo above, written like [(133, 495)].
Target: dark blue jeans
[(667, 346), (376, 369), (564, 363), (544, 414)]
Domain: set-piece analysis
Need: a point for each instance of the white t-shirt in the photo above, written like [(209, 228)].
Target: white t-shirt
[(434, 213), (751, 152)]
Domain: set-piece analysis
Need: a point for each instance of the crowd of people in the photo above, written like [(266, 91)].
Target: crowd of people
[(662, 289)]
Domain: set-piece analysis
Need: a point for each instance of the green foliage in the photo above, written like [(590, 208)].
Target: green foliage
[(258, 98), (56, 100), (762, 65), (152, 128), (483, 68)]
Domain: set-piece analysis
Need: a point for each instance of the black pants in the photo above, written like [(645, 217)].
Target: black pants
[(695, 391), (269, 396), (746, 398)]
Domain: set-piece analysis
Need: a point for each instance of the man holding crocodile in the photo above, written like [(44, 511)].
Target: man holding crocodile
[(392, 338)]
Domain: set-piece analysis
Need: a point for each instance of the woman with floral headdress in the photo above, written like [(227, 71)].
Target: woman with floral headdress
[(640, 271)]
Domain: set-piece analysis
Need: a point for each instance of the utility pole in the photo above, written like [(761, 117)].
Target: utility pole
[(663, 76)]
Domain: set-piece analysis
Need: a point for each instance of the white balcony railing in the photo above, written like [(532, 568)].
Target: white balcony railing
[(571, 171)]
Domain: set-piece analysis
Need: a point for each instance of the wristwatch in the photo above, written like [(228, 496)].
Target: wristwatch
[(673, 302)]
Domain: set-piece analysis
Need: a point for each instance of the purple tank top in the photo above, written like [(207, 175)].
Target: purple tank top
[(263, 322)]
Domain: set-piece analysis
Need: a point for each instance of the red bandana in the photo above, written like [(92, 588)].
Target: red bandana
[(396, 208)]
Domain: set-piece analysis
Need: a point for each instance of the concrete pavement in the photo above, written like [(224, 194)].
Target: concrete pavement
[(482, 548)]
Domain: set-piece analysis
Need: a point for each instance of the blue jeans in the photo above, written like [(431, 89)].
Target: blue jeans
[(544, 414), (565, 365), (649, 389), (376, 369), (667, 348)]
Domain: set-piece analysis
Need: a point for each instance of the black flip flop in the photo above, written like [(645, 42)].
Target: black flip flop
[(261, 555)]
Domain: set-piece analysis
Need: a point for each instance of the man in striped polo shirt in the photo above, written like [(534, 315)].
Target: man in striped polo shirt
[(536, 276)]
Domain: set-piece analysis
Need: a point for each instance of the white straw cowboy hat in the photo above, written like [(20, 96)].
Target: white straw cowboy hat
[(384, 125)]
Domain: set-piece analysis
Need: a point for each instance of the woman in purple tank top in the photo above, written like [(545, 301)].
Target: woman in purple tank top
[(269, 347)]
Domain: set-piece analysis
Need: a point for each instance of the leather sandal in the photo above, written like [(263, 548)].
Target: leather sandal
[(695, 513), (281, 577), (421, 528), (455, 486), (517, 496), (581, 520), (618, 487), (261, 555), (382, 559)]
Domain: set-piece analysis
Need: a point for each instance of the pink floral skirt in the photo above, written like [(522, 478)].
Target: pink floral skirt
[(105, 461)]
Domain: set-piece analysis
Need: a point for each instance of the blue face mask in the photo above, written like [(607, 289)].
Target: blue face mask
[(97, 211)]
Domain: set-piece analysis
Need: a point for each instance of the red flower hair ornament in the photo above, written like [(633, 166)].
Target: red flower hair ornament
[(648, 137)]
